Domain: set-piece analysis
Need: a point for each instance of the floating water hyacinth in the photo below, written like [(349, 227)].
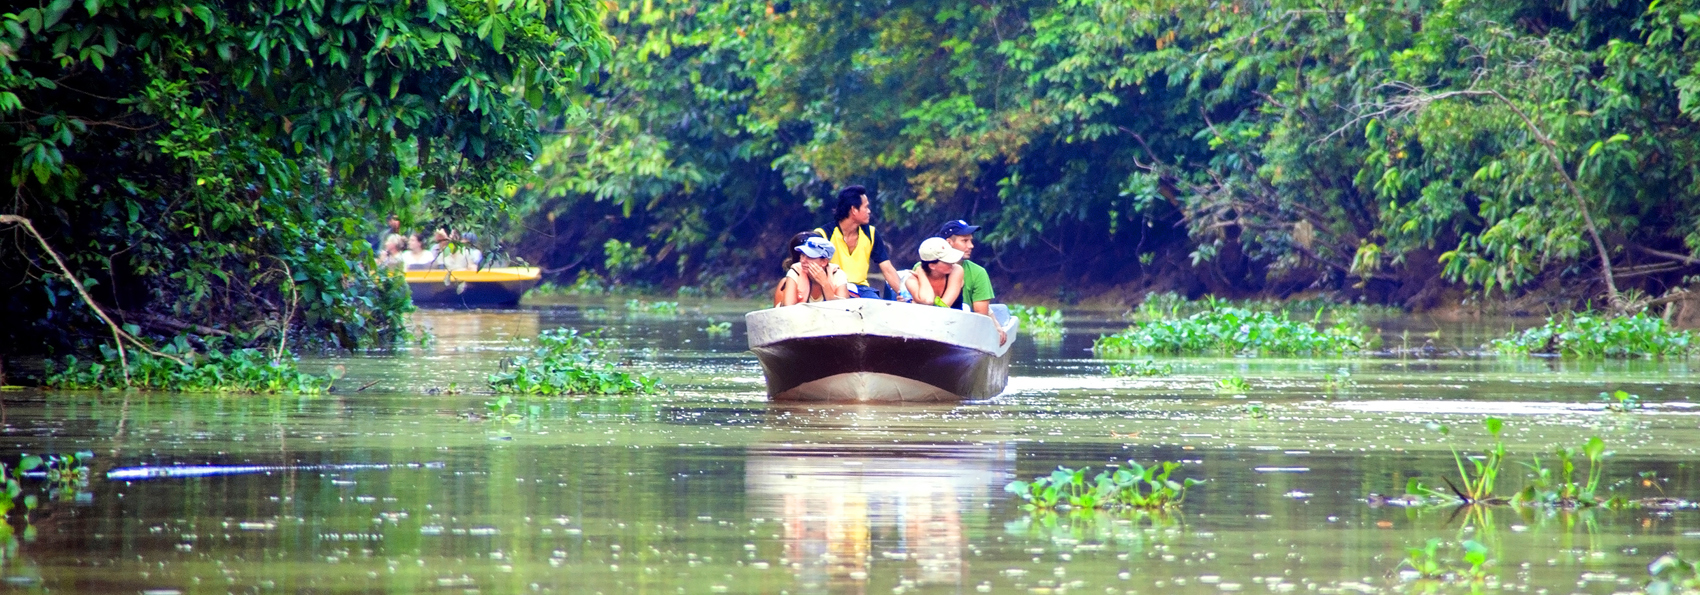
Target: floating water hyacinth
[(561, 362), (1234, 331), (1589, 335), (1134, 486)]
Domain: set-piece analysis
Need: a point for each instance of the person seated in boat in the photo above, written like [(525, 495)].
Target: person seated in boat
[(455, 253), (814, 278), (415, 257), (977, 291), (856, 243), (390, 254), (937, 279), (791, 256)]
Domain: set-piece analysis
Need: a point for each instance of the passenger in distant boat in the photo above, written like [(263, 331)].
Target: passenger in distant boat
[(416, 256), (791, 256), (937, 279), (390, 255), (976, 284), (814, 278), (857, 244), (455, 253)]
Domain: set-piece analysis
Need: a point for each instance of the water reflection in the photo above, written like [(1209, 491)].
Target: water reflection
[(847, 504), (455, 331)]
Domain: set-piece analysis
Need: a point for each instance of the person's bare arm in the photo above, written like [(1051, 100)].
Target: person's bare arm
[(831, 289), (921, 288), (984, 308), (798, 290), (889, 273), (953, 285)]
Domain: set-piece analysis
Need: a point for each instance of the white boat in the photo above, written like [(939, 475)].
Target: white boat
[(863, 350)]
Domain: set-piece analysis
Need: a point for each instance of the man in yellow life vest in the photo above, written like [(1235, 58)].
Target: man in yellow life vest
[(858, 247)]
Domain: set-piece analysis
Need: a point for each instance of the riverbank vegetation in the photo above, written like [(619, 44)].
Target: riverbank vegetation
[(1406, 153), (1041, 323), (564, 362), (216, 168)]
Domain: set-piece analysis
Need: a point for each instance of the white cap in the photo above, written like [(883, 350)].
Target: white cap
[(939, 249)]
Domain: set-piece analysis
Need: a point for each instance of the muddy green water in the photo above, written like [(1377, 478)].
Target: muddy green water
[(711, 489)]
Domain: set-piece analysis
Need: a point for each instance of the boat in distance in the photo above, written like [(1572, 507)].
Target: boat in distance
[(875, 351), (498, 287)]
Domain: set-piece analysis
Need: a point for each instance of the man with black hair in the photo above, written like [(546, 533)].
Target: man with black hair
[(977, 292), (858, 247)]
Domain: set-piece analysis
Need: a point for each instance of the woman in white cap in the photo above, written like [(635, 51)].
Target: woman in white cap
[(937, 279), (814, 278)]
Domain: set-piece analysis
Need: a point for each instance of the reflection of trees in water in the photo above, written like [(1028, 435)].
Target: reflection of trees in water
[(850, 507), (455, 330)]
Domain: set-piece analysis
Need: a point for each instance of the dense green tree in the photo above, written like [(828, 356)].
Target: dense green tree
[(217, 165), (1387, 149)]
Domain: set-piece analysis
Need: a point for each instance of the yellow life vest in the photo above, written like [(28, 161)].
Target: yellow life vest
[(854, 263)]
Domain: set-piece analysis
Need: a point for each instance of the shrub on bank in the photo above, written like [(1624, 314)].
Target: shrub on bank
[(1230, 330), (248, 371), (563, 362), (1588, 335), (1039, 322)]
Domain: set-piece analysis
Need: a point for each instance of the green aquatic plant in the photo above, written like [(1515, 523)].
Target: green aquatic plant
[(1144, 368), (1621, 401), (1338, 382), (1229, 331), (1555, 486), (178, 368), (1564, 490), (642, 308), (1432, 561), (1255, 410), (1483, 473), (1039, 322), (65, 475), (1592, 335), (1671, 573), (564, 362), (1233, 384), (718, 329), (1134, 487)]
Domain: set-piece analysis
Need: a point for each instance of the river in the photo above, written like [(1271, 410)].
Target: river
[(413, 485)]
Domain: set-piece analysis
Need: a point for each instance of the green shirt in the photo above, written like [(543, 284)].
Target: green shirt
[(976, 284)]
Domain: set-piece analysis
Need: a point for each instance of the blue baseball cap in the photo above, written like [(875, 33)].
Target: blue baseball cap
[(957, 228), (817, 247)]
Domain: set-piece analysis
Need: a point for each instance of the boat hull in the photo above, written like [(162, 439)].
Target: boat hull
[(871, 351), (489, 288)]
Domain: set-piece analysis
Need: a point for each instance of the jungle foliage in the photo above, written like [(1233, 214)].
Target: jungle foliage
[(1381, 149), (216, 167)]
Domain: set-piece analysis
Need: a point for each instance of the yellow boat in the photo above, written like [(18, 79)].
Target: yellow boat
[(499, 287)]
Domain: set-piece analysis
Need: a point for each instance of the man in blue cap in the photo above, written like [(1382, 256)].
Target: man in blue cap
[(976, 284)]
